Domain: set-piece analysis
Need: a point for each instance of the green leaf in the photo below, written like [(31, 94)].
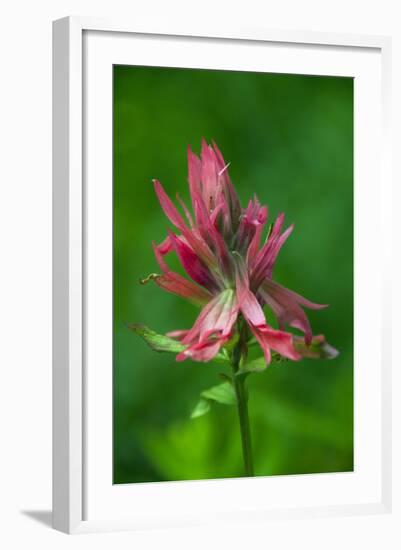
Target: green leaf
[(259, 364), (202, 407), (158, 342), (223, 393), (256, 365), (222, 358)]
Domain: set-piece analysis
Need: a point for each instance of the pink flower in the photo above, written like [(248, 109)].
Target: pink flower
[(229, 270)]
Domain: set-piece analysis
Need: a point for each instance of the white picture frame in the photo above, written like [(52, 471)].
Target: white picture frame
[(76, 480)]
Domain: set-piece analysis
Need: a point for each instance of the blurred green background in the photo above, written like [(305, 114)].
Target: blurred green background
[(289, 139)]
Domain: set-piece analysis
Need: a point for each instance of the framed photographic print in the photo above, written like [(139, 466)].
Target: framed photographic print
[(219, 326)]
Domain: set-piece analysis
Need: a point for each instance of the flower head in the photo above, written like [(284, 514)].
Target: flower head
[(229, 270)]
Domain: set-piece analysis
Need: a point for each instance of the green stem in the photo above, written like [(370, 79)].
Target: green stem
[(242, 406)]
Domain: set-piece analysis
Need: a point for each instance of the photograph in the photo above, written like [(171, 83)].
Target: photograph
[(233, 283)]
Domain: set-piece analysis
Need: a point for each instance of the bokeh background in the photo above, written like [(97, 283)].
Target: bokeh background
[(289, 139)]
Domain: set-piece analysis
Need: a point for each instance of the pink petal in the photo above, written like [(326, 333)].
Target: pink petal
[(280, 341), (247, 301), (250, 307), (286, 305), (212, 329), (159, 251), (275, 249), (228, 189), (194, 174), (165, 247), (176, 284), (218, 316), (251, 224), (209, 171), (219, 208), (211, 234), (292, 315), (168, 207), (264, 261), (186, 211), (293, 295), (192, 264), (198, 244), (255, 243), (204, 351)]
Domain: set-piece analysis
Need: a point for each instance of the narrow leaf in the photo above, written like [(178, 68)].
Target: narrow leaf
[(256, 365), (259, 364), (222, 358), (158, 342), (223, 393), (202, 407)]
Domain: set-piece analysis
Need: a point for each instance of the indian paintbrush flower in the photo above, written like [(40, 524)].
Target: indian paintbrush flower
[(229, 268)]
